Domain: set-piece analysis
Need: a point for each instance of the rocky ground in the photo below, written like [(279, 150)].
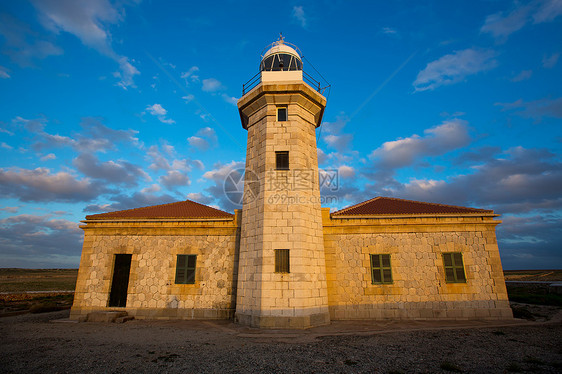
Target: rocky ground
[(31, 343)]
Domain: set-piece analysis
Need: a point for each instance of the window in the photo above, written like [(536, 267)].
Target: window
[(282, 160), (454, 268), (185, 269), (281, 62), (380, 269), (282, 114), (282, 261)]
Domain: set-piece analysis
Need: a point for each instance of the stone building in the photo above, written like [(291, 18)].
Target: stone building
[(283, 261)]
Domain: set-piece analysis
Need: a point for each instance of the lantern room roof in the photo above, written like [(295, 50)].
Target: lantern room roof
[(281, 47)]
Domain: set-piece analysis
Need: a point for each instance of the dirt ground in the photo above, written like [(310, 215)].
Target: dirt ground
[(31, 343)]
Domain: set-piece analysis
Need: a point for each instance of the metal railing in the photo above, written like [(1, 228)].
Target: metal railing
[(256, 79), (253, 82)]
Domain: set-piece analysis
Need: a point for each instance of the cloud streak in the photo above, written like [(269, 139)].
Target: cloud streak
[(454, 68), (88, 20)]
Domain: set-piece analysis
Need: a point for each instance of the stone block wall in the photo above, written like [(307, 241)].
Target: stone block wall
[(152, 292), (285, 215), (418, 290)]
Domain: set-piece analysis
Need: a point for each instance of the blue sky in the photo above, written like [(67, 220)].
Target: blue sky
[(115, 105)]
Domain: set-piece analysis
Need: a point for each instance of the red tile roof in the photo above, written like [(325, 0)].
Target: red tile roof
[(388, 205), (181, 209)]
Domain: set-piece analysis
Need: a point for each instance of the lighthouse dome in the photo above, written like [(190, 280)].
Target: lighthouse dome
[(281, 57)]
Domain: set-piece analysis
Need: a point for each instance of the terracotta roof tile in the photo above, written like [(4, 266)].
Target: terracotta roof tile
[(388, 205), (180, 209)]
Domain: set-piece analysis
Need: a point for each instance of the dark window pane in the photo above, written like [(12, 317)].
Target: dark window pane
[(282, 160), (267, 63), (181, 261), (190, 276), (191, 261), (385, 261), (387, 275), (281, 114), (449, 275), (377, 276), (374, 261), (180, 275), (281, 260), (447, 259), (458, 259), (281, 62), (293, 65), (460, 274), (185, 269)]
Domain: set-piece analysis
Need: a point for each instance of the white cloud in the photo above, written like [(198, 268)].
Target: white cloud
[(548, 11), (203, 138), (156, 110), (212, 85), (501, 25), (4, 73), (199, 197), (188, 98), (550, 61), (22, 44), (50, 156), (322, 157), (300, 16), (454, 68), (96, 137), (389, 31), (346, 171), (3, 130), (127, 73), (174, 178), (88, 20), (151, 189), (159, 112), (523, 75), (10, 209), (119, 172), (335, 138), (219, 176), (190, 74), (6, 146), (537, 109), (159, 162), (41, 185), (448, 136), (230, 99), (198, 142)]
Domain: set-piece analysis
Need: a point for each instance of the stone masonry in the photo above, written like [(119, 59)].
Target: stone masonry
[(284, 213), (419, 290), (154, 245)]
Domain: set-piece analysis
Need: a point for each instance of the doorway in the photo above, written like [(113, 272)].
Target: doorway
[(120, 282)]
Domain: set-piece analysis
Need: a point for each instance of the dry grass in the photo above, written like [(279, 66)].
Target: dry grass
[(533, 275), (20, 280)]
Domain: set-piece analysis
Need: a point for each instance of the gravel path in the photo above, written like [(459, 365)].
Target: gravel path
[(30, 343)]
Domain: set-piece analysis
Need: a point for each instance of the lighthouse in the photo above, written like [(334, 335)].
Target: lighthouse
[(282, 269)]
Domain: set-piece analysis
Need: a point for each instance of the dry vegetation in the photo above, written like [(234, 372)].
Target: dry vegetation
[(20, 280), (533, 275)]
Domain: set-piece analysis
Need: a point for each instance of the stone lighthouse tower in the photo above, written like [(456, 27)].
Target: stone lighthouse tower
[(282, 270)]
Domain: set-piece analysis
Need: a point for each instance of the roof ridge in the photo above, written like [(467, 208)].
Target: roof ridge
[(421, 203), (357, 205), (158, 205), (438, 204)]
